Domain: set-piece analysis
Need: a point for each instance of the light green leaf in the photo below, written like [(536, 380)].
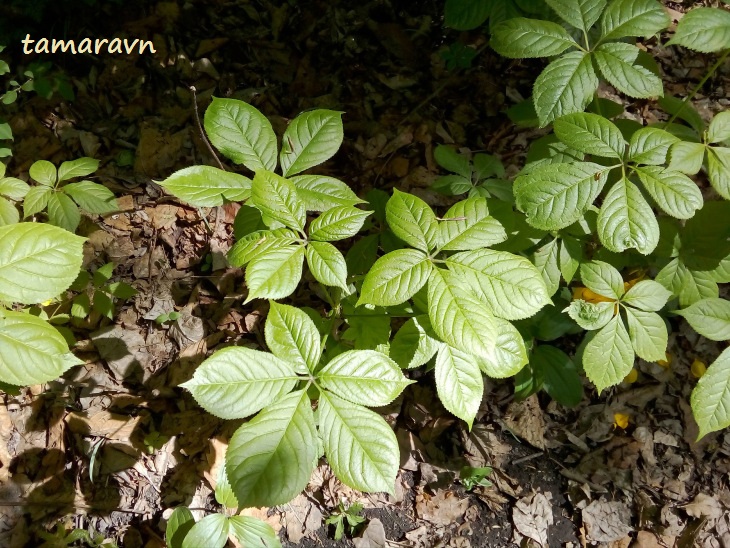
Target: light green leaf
[(626, 220), (633, 18), (395, 278), (581, 14), (44, 172), (413, 344), (37, 262), (565, 86), (241, 133), (650, 146), (647, 295), (206, 186), (254, 533), (364, 377), (36, 200), (80, 167), (211, 532), (709, 317), (270, 458), (719, 127), (546, 262), (62, 212), (608, 357), (320, 193), (92, 197), (237, 382), (718, 170), (31, 350), (557, 195), (13, 188), (674, 192), (603, 279), (276, 274), (9, 214), (292, 336), (703, 29), (648, 334), (521, 38), (276, 197), (560, 375), (337, 223), (507, 354), (711, 397), (361, 448), (686, 157), (511, 285), (590, 133), (412, 220), (457, 317), (591, 316), (310, 139), (459, 383), (327, 264), (689, 285), (618, 64), (179, 523), (6, 132), (259, 243), (571, 256), (467, 225)]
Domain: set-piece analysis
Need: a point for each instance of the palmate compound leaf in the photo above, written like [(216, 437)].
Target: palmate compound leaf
[(237, 382), (276, 197), (320, 193), (206, 186), (257, 243), (650, 146), (603, 279), (719, 129), (590, 316), (608, 356), (81, 167), (468, 225), (92, 197), (292, 336), (275, 274), (62, 212), (31, 350), (674, 192), (414, 343), (647, 295), (37, 262), (364, 377), (271, 457), (395, 277), (338, 223), (211, 532), (709, 317), (507, 353), (327, 264), (689, 285), (581, 14), (557, 195), (361, 448), (310, 139), (459, 383), (627, 221), (521, 38), (711, 397), (703, 29), (633, 18), (511, 285), (686, 157), (591, 134), (241, 133), (412, 220), (618, 64), (648, 334)]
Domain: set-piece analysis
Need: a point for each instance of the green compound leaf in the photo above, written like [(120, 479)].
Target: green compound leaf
[(327, 264), (468, 225), (650, 145), (31, 350), (412, 220), (674, 192), (237, 382), (276, 274), (80, 167), (633, 18), (292, 336), (37, 262), (360, 446), (414, 345), (719, 129), (571, 256), (560, 375), (62, 212), (618, 64), (648, 334), (603, 279), (13, 188), (466, 14), (711, 397), (36, 200), (459, 383), (565, 86), (241, 133), (511, 285), (647, 295), (44, 172), (92, 197), (270, 458), (206, 186), (581, 14), (689, 285), (507, 353), (320, 193), (310, 139), (521, 38), (590, 133), (337, 223), (709, 317), (608, 356), (557, 195), (703, 29), (276, 197), (259, 243), (457, 317), (590, 316), (211, 532), (718, 170), (178, 525), (253, 533), (395, 277), (627, 221), (364, 377), (686, 157), (452, 161), (9, 214), (546, 261)]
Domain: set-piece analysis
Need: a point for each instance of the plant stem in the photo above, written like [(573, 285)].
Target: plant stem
[(699, 86)]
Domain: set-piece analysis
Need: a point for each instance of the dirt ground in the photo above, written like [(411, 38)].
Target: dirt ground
[(115, 445)]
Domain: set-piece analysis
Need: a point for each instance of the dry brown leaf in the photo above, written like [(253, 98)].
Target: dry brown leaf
[(606, 521), (444, 509), (531, 516), (526, 420)]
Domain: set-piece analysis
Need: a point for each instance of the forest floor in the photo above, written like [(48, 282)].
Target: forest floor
[(115, 445)]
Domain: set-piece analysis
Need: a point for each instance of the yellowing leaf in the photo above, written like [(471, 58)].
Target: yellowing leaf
[(620, 421)]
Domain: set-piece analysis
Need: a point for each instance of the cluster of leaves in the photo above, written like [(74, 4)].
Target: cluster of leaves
[(97, 294)]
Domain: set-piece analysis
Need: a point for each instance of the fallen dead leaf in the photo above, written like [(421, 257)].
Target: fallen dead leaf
[(531, 516), (606, 521), (444, 509)]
